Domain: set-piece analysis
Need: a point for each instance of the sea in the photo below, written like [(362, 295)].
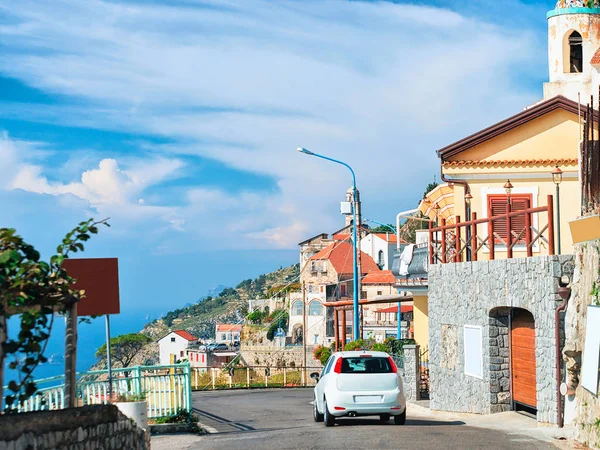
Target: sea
[(90, 337)]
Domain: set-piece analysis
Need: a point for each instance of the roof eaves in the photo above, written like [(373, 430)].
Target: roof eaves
[(557, 102)]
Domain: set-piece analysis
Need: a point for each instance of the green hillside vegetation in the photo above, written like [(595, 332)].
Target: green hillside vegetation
[(230, 306)]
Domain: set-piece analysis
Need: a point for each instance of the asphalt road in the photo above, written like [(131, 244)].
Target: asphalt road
[(282, 419)]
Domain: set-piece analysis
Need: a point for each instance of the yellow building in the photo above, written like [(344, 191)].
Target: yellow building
[(524, 149)]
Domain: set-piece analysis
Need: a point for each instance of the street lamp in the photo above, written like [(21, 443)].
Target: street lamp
[(356, 329), (557, 176), (508, 187)]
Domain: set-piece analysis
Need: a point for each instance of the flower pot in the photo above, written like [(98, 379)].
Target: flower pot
[(138, 411)]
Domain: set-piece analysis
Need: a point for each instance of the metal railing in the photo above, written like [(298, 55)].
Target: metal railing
[(248, 377), (165, 388), (461, 241)]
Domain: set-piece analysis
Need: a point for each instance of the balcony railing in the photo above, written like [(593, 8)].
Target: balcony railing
[(462, 241)]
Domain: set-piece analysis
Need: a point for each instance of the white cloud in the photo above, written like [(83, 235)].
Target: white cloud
[(377, 84)]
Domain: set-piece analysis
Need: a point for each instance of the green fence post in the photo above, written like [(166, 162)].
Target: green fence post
[(137, 380), (188, 385)]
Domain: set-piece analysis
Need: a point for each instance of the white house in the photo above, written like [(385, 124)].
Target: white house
[(175, 343), (380, 247), (226, 333)]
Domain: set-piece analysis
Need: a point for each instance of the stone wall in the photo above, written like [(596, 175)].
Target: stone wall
[(88, 427), (480, 294), (586, 405), (412, 372), (278, 357)]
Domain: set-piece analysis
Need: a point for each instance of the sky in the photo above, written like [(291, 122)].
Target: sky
[(180, 121)]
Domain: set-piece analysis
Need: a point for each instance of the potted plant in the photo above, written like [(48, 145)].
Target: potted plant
[(133, 406)]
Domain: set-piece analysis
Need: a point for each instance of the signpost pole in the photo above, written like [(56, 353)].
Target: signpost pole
[(108, 360)]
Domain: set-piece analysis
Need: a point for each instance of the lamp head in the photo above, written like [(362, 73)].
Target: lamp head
[(508, 187), (303, 150), (468, 198), (557, 175)]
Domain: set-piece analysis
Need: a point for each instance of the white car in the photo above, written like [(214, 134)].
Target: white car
[(359, 383)]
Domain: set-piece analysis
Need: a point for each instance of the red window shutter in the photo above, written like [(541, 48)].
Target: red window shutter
[(202, 357), (517, 224), (496, 207)]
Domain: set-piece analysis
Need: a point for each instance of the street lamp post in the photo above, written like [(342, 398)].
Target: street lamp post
[(356, 319), (468, 198), (557, 175)]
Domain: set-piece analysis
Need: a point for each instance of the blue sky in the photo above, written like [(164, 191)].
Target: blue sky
[(180, 121)]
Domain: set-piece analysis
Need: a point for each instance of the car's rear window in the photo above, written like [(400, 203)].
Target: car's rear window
[(366, 364)]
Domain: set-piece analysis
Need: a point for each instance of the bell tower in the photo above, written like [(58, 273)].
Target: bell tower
[(573, 49)]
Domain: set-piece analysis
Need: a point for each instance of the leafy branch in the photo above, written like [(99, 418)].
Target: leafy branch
[(35, 290)]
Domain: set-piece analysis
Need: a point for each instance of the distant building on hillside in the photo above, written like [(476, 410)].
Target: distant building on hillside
[(226, 333), (175, 343)]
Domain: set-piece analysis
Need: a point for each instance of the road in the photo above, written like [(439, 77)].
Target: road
[(282, 419)]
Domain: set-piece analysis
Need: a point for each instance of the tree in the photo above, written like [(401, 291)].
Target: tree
[(35, 290), (430, 187), (125, 347), (384, 229)]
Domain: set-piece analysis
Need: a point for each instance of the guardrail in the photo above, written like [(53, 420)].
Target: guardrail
[(166, 389), (248, 377)]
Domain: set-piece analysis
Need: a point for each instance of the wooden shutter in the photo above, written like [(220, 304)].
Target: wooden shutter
[(496, 207), (517, 224)]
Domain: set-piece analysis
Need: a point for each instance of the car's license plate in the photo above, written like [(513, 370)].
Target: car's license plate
[(367, 399)]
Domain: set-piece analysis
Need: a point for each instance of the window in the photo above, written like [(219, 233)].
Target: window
[(181, 354), (173, 339), (297, 308), (366, 365), (497, 205), (316, 339), (575, 53), (223, 336), (313, 266), (310, 288), (343, 290), (315, 308), (380, 259), (363, 294), (379, 292)]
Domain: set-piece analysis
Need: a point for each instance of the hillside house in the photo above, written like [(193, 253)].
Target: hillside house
[(226, 333), (175, 344), (327, 276)]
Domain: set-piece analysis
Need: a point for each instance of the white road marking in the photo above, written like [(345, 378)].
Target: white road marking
[(208, 428)]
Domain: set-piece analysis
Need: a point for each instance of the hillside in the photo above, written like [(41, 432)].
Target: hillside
[(229, 306)]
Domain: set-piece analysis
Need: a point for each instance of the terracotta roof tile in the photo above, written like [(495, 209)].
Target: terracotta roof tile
[(339, 255), (184, 334), (381, 277), (225, 327), (394, 309), (389, 237), (512, 162), (596, 58), (341, 237)]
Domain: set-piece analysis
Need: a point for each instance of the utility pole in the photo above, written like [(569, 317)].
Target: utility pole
[(304, 330), (358, 217), (70, 389)]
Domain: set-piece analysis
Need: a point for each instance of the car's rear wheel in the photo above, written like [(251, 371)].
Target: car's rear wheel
[(384, 417), (400, 419), (317, 416), (327, 417)]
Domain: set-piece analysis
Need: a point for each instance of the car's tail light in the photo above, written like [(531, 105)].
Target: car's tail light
[(395, 408), (393, 364), (339, 408), (338, 366)]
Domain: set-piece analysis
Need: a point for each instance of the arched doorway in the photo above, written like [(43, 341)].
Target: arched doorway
[(523, 364)]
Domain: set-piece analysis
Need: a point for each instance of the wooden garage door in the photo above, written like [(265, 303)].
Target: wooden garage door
[(523, 358)]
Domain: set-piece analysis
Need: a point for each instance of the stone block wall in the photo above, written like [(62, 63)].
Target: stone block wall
[(412, 372), (481, 294), (586, 405), (86, 428)]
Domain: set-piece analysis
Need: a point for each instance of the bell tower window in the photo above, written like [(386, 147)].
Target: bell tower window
[(575, 53)]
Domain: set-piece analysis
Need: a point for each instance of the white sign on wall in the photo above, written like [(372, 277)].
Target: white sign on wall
[(591, 350), (474, 351)]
